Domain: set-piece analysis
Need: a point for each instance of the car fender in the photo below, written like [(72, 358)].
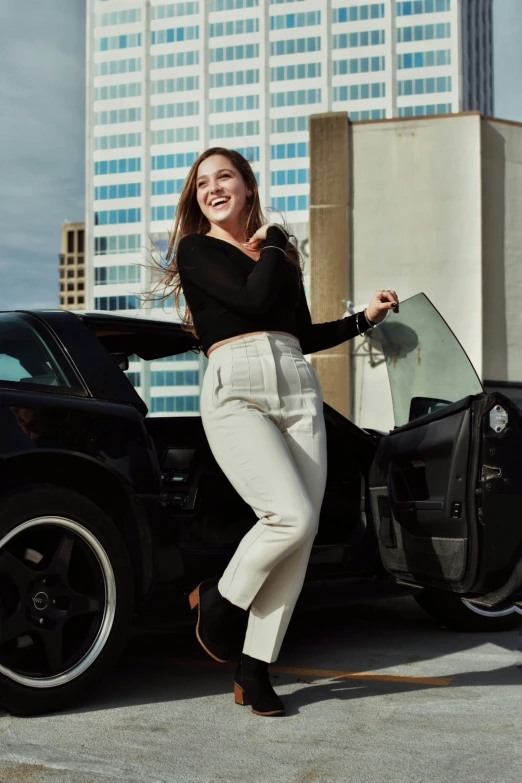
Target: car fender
[(103, 486)]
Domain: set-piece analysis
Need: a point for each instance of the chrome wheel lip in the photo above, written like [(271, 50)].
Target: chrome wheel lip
[(513, 609), (109, 610)]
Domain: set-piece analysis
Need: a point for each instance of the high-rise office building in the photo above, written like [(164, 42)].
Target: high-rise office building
[(72, 267), (166, 80)]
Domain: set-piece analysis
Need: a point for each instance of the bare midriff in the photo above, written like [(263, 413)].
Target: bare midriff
[(237, 336)]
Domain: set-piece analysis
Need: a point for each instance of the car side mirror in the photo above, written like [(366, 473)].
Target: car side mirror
[(422, 406), (122, 360)]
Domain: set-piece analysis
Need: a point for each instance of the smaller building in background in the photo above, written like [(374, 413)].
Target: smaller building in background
[(423, 204), (72, 267)]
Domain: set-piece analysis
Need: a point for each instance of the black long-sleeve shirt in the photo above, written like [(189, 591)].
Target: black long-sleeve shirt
[(229, 293)]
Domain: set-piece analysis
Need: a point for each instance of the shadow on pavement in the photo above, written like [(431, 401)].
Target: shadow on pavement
[(163, 667)]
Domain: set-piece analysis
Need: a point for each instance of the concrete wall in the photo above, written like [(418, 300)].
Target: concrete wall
[(417, 227), (436, 207), (331, 247), (502, 250)]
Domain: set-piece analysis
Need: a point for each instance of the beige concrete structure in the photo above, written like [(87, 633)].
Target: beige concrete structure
[(72, 267), (330, 238), (437, 207)]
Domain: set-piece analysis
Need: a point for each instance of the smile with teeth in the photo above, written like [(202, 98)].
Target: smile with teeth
[(218, 202)]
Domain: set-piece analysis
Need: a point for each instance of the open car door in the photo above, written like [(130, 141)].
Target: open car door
[(446, 483)]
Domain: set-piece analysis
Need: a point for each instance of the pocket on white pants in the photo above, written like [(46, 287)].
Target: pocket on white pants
[(317, 379), (217, 385)]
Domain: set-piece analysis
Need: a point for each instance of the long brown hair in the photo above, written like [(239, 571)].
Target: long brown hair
[(190, 220)]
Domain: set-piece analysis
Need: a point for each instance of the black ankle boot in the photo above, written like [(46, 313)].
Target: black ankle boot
[(219, 622), (252, 686)]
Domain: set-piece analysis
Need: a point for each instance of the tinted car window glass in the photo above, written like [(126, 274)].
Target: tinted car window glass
[(427, 366), (24, 357)]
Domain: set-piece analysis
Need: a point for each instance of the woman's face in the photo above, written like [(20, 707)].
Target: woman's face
[(221, 192)]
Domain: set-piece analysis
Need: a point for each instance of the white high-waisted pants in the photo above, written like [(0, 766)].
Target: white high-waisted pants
[(262, 412)]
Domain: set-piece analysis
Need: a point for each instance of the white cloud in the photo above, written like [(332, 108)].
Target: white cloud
[(42, 61)]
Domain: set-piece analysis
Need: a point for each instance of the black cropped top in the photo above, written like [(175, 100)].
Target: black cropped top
[(229, 293)]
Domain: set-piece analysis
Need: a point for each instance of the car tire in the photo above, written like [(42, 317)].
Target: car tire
[(66, 598), (448, 610)]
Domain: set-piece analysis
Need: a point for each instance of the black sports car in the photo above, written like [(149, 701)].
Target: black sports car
[(109, 517)]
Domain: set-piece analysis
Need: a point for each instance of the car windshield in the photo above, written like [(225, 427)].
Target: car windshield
[(427, 366)]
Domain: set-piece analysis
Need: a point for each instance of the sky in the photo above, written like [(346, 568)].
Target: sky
[(42, 129), (42, 133)]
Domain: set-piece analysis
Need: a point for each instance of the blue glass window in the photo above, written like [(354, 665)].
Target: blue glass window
[(422, 59), (424, 32), (118, 42), (362, 38), (175, 378), (421, 86), (118, 166), (116, 244), (295, 45), (116, 141), (281, 151), (167, 187), (107, 275), (359, 12), (123, 190), (290, 177), (175, 404), (234, 27), (117, 216), (111, 303), (222, 54), (178, 160), (230, 129), (430, 109), (408, 8), (175, 34), (166, 212), (290, 203)]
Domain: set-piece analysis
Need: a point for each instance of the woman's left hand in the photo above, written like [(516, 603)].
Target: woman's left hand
[(380, 303)]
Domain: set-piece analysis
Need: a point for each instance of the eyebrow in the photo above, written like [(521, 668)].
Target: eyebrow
[(202, 176)]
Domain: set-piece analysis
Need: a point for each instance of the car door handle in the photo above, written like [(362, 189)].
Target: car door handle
[(174, 478), (421, 505)]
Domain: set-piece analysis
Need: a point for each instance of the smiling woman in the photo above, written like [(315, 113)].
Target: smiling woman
[(219, 199), (261, 405)]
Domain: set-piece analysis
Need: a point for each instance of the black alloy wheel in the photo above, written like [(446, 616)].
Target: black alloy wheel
[(66, 597)]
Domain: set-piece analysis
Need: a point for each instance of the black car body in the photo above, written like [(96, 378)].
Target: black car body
[(108, 515)]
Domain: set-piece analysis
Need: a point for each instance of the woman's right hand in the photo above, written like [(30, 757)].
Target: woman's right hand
[(260, 236)]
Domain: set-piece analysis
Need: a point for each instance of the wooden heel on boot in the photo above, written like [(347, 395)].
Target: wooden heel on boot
[(194, 598), (215, 616), (252, 687), (240, 696)]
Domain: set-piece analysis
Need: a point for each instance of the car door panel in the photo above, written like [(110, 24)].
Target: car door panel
[(426, 527), (499, 496), (427, 469), (446, 486)]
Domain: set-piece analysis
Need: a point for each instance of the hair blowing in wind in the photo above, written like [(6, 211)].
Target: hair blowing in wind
[(190, 220)]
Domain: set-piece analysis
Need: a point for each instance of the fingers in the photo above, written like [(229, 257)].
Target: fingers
[(259, 236), (388, 300), (254, 240)]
